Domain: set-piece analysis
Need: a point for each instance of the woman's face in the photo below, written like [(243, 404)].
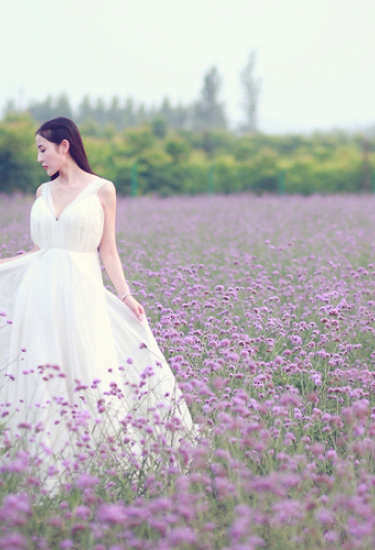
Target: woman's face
[(50, 155)]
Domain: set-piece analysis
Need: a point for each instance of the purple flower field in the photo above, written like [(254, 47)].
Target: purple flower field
[(265, 310)]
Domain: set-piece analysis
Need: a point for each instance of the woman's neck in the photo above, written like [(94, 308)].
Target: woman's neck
[(71, 175)]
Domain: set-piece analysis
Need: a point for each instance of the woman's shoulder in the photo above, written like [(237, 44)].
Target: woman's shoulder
[(107, 187), (107, 193), (41, 189)]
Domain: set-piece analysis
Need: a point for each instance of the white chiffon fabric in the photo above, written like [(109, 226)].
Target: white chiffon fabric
[(62, 332)]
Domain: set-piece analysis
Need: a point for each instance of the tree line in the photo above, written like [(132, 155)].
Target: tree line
[(188, 149), (155, 159), (205, 113)]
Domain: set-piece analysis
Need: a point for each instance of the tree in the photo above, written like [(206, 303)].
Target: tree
[(140, 139), (114, 113), (251, 87), (208, 112), (180, 116), (18, 169), (159, 127), (166, 110), (100, 113), (10, 108), (178, 149), (128, 113), (141, 115), (175, 117), (50, 108), (85, 110), (62, 107), (42, 110), (89, 127)]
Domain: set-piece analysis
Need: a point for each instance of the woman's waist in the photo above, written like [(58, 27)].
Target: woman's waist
[(73, 251), (87, 261)]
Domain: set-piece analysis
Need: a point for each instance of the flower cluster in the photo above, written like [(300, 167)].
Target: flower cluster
[(265, 310)]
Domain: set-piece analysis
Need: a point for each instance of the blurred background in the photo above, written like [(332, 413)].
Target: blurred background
[(205, 96)]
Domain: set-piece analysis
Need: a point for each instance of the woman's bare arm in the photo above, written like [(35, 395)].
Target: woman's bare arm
[(108, 250)]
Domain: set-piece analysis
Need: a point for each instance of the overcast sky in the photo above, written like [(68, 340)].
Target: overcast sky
[(316, 58)]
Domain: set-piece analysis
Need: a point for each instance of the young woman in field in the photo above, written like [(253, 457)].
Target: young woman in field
[(67, 342)]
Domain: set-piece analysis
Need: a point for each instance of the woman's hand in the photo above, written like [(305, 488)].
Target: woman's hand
[(136, 308)]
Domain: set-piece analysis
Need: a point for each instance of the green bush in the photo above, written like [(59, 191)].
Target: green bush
[(19, 170), (174, 162)]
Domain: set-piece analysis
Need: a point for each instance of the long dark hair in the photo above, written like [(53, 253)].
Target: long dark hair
[(60, 128)]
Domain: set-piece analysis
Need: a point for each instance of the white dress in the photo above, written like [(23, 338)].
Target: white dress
[(75, 333)]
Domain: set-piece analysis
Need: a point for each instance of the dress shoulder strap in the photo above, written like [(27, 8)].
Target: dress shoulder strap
[(44, 189), (96, 185)]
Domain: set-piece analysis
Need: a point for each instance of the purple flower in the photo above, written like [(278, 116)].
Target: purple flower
[(112, 513), (13, 541), (182, 536), (86, 480), (15, 510), (83, 512), (325, 516)]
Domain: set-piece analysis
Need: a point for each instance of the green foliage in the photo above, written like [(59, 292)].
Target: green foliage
[(213, 143), (18, 168), (226, 174), (179, 161), (89, 127), (140, 139), (178, 149), (159, 127)]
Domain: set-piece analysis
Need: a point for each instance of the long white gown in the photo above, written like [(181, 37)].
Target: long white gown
[(62, 332)]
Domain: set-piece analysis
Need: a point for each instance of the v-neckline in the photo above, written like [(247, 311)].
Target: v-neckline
[(53, 209)]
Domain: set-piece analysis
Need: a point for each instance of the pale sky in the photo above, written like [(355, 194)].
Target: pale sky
[(316, 58)]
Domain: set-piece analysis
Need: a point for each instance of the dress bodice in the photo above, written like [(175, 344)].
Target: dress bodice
[(79, 227)]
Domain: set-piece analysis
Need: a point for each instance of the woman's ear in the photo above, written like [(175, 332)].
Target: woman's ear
[(64, 146)]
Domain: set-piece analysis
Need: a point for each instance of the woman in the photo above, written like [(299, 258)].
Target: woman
[(88, 358)]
